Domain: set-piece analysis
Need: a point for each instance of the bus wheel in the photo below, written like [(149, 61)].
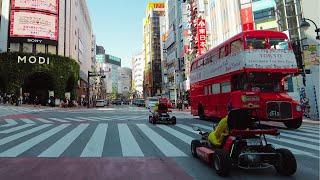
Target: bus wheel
[(201, 112), (293, 124)]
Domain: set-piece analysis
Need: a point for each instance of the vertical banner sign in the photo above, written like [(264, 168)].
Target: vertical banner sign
[(189, 25), (246, 15), (202, 35)]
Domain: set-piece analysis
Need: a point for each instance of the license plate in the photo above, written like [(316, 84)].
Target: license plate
[(253, 142)]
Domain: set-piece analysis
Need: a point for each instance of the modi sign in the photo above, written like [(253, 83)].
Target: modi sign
[(33, 60)]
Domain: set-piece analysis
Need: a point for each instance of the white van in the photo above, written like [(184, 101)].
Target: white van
[(100, 103), (151, 102)]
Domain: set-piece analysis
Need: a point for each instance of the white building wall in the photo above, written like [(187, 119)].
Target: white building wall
[(225, 20), (312, 80), (138, 75), (4, 12)]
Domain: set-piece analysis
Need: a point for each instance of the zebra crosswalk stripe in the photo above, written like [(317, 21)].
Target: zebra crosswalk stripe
[(283, 134), (94, 147), (22, 134), (59, 120), (16, 128), (129, 145), (27, 121), (62, 144), (294, 151), (179, 135), (17, 150), (203, 126), (11, 121), (165, 146), (187, 128), (43, 120)]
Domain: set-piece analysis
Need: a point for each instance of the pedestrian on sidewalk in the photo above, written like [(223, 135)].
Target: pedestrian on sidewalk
[(306, 106), (36, 102)]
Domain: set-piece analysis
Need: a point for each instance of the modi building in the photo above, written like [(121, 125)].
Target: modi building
[(46, 48)]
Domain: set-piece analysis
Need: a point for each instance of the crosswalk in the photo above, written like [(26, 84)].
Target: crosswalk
[(14, 110), (126, 140), (10, 122)]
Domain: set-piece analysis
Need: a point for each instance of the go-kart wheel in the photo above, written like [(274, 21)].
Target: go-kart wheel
[(287, 164), (194, 145), (221, 162), (150, 119), (173, 120), (153, 120)]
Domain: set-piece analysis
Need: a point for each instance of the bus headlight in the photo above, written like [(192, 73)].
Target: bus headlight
[(298, 108)]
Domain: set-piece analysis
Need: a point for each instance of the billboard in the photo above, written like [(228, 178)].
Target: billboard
[(202, 36), (33, 24), (50, 6)]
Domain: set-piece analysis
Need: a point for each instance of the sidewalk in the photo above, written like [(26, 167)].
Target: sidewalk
[(44, 107)]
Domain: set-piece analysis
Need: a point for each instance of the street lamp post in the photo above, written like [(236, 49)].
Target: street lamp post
[(304, 25)]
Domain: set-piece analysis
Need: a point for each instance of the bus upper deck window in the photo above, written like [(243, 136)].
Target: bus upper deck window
[(278, 43), (256, 43)]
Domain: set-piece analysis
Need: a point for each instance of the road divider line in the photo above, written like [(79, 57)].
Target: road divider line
[(95, 145), (62, 144), (129, 145), (19, 149), (165, 146), (22, 134)]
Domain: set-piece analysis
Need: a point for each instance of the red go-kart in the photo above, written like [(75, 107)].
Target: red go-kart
[(162, 116), (245, 147)]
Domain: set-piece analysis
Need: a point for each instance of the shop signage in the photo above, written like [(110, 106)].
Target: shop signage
[(33, 60), (189, 25), (202, 35)]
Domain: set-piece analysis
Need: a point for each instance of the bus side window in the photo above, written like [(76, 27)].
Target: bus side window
[(221, 52), (215, 56), (194, 66), (227, 50), (200, 63), (215, 88), (225, 87), (236, 46)]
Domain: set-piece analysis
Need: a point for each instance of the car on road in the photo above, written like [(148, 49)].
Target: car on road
[(151, 102), (118, 102), (106, 103), (100, 103), (140, 102)]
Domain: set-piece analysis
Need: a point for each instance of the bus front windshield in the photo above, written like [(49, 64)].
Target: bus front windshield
[(265, 82)]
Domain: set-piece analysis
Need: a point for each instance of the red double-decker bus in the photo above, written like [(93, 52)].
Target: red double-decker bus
[(246, 71)]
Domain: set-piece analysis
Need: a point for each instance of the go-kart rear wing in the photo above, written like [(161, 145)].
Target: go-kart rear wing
[(274, 132)]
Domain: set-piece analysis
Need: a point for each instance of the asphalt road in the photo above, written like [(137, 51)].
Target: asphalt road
[(118, 142)]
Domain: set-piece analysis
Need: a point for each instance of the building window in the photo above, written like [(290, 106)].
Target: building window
[(34, 48)]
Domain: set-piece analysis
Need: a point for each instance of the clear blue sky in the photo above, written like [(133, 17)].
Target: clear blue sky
[(118, 26)]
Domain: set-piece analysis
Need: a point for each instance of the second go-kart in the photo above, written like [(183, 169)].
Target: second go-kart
[(162, 116), (245, 147)]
